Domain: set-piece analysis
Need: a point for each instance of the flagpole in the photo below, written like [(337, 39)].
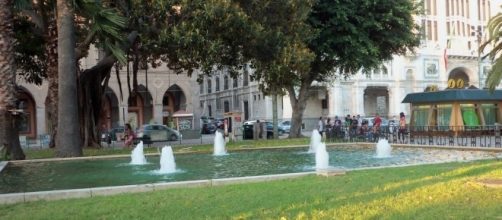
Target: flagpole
[(479, 34)]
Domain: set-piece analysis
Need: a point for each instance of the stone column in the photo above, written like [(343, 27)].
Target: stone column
[(157, 113)]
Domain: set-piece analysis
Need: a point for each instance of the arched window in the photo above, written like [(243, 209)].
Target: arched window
[(225, 82)]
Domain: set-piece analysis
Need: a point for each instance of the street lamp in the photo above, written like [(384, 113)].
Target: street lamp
[(478, 32)]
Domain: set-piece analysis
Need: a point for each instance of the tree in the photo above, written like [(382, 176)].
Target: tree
[(8, 129), (351, 34), (495, 40), (279, 48), (37, 52), (68, 140)]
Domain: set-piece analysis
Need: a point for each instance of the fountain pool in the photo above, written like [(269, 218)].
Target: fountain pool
[(73, 174)]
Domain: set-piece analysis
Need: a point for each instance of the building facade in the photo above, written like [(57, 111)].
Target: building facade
[(451, 30)]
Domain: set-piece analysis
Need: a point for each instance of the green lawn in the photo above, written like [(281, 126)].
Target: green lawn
[(442, 191), (49, 153)]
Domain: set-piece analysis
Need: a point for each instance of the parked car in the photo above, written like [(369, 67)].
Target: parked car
[(219, 123), (270, 129), (208, 128), (154, 132), (117, 133), (286, 126)]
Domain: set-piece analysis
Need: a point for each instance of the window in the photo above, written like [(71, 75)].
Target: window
[(324, 104), (385, 71), (236, 82), (435, 30), (225, 82), (209, 110), (25, 119), (490, 113), (429, 30), (428, 7), (201, 88), (201, 104), (236, 102), (447, 7), (467, 8), (226, 106), (209, 86), (469, 115), (217, 87), (420, 114), (442, 114), (218, 104)]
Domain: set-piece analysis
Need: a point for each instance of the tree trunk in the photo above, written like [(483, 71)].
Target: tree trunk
[(298, 104), (9, 135), (274, 115), (93, 83), (68, 142), (52, 78)]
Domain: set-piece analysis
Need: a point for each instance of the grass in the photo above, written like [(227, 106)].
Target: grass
[(441, 191), (49, 153)]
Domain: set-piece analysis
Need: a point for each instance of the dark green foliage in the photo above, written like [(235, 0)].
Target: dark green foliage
[(30, 54), (361, 33)]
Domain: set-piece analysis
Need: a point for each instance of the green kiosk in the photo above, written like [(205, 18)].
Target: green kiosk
[(455, 110)]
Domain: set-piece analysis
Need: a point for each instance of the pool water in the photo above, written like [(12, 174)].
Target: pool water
[(73, 174)]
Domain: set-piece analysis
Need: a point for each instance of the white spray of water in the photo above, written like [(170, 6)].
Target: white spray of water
[(137, 155), (383, 149), (315, 140), (219, 144), (321, 157), (167, 164)]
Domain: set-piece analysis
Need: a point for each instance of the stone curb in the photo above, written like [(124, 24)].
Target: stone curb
[(12, 198), (3, 164)]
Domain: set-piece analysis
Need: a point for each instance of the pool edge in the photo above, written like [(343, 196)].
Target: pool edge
[(13, 198), (3, 164)]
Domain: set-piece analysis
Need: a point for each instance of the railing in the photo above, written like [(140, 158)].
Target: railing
[(473, 136)]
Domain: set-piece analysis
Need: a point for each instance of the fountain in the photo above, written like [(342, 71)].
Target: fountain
[(167, 164), (321, 157), (104, 172), (137, 155), (315, 141), (383, 149), (219, 144)]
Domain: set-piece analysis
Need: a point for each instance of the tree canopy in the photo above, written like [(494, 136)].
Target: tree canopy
[(495, 54)]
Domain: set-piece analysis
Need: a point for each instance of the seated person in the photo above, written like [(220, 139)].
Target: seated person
[(128, 136)]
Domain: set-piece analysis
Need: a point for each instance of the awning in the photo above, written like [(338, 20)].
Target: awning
[(453, 95), (182, 113)]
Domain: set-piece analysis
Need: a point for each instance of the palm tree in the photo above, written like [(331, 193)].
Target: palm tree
[(495, 40), (8, 129), (68, 138)]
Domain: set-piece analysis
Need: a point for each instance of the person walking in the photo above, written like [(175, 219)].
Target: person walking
[(376, 127), (320, 126), (402, 127)]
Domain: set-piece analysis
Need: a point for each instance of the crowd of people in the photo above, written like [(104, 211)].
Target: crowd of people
[(356, 126)]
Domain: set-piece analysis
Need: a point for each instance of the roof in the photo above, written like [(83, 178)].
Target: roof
[(451, 95)]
